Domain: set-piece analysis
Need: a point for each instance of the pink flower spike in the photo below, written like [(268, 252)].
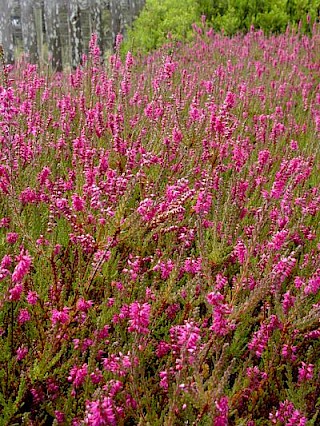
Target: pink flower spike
[(15, 292), (139, 317), (21, 353), (22, 267)]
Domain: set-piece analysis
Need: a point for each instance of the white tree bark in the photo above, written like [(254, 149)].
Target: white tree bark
[(96, 22), (123, 13), (6, 37), (29, 32), (75, 36), (51, 13), (116, 19)]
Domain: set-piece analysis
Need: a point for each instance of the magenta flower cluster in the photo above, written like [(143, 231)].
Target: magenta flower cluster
[(159, 223)]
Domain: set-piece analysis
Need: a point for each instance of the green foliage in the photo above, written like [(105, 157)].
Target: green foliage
[(269, 15), (157, 20), (160, 18)]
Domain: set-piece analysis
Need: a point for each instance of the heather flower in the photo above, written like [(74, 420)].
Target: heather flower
[(162, 349), (261, 337), (203, 204), (119, 364), (78, 203), (256, 377), (305, 372), (5, 222), (129, 61), (288, 352), (150, 294), (60, 316), (21, 353), (41, 241), (24, 316), (32, 297), (57, 249), (6, 262), (314, 334), (43, 175), (22, 267), (278, 239), (282, 270), (221, 282), (164, 383), (61, 203), (135, 264), (96, 377), (84, 305), (15, 292), (263, 157), (77, 375), (60, 417), (12, 237), (86, 344), (222, 408), (139, 315), (3, 273), (185, 338), (52, 388), (94, 48), (192, 266), (113, 387), (298, 282), (165, 268), (220, 323), (100, 413), (110, 302), (313, 284), (287, 302), (240, 251), (294, 145), (172, 310), (28, 195), (287, 415), (37, 395), (146, 209)]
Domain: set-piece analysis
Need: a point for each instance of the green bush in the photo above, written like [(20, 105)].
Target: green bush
[(270, 15), (162, 17), (158, 19)]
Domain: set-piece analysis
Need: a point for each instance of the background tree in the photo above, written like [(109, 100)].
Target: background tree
[(6, 36), (96, 22), (29, 31), (51, 14), (75, 32)]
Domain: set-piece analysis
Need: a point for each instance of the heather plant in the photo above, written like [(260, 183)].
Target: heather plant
[(159, 257)]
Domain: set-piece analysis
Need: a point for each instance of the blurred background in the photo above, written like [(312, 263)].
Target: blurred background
[(58, 31)]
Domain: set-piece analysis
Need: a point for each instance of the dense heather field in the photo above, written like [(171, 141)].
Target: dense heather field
[(160, 254)]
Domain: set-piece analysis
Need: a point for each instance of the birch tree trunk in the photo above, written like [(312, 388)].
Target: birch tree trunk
[(115, 19), (96, 22), (75, 35), (51, 13), (29, 32), (6, 37), (123, 13)]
